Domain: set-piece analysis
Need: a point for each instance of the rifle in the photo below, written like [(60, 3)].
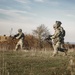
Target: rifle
[(49, 37), (12, 37)]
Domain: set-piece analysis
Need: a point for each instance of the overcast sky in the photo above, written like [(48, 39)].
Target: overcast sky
[(29, 14)]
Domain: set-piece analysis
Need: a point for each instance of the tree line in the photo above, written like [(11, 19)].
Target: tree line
[(35, 41)]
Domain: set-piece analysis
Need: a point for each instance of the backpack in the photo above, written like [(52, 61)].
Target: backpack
[(63, 32)]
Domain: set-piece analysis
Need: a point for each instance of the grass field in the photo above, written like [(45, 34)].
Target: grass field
[(33, 63)]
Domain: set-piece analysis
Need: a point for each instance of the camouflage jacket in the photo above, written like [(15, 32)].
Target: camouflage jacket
[(19, 36), (57, 36)]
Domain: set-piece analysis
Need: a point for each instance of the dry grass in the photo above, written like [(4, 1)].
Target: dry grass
[(35, 63)]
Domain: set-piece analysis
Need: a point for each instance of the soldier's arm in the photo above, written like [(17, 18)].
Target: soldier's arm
[(22, 35), (56, 34), (15, 36)]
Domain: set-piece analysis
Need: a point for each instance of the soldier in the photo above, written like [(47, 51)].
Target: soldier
[(58, 23), (20, 36), (58, 39)]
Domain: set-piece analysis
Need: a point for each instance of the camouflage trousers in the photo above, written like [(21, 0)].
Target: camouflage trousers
[(19, 43), (57, 46)]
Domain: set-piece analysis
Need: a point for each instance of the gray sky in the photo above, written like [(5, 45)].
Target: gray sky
[(29, 14)]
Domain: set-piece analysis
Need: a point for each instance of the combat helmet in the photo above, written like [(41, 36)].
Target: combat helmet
[(19, 30), (58, 23)]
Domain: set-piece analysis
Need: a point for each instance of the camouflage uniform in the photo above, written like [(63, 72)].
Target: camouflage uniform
[(20, 36), (58, 39)]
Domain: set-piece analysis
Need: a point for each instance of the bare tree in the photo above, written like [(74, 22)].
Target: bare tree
[(41, 32)]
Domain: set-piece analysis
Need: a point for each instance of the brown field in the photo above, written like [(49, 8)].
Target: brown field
[(35, 63)]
